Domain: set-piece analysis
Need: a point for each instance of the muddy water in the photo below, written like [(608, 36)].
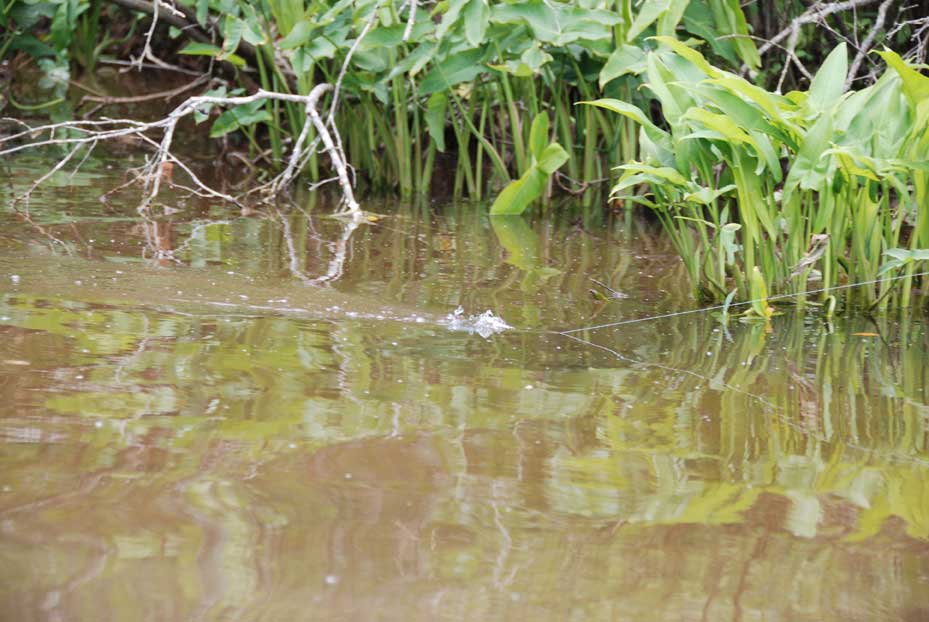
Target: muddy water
[(213, 417)]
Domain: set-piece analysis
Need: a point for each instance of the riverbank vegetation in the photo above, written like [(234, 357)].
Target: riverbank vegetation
[(770, 175), (852, 206)]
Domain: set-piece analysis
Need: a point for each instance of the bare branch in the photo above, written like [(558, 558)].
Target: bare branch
[(136, 99), (868, 42), (153, 172), (811, 16), (60, 165), (410, 20)]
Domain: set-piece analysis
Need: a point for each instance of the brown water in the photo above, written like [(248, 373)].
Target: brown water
[(195, 426)]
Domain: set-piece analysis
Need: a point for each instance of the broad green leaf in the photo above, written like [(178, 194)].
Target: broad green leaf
[(626, 59), (383, 37), (722, 124), (320, 48), (552, 158), (659, 81), (476, 19), (808, 171), (32, 46), (692, 55), (746, 114), (699, 20), (205, 49), (767, 156), (299, 35), (414, 61), (900, 257), (239, 117), (663, 173), (730, 22), (657, 135), (449, 17), (518, 194), (435, 119), (624, 108), (203, 11), (540, 18), (529, 63), (373, 61), (707, 196), (829, 82), (669, 20), (557, 23), (535, 57), (649, 11), (62, 25), (456, 69), (27, 15), (201, 49), (538, 135), (233, 28), (773, 105), (253, 31), (915, 84)]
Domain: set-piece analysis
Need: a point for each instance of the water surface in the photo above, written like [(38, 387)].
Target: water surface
[(206, 416)]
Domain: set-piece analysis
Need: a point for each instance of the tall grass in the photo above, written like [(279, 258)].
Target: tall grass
[(767, 193)]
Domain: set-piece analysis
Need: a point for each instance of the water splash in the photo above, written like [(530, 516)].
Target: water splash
[(485, 324)]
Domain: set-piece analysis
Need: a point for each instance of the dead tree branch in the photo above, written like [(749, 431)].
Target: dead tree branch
[(812, 15), (80, 134), (787, 39), (868, 42)]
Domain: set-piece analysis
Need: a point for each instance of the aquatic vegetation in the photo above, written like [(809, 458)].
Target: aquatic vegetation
[(456, 84), (470, 76), (768, 193), (545, 159), (762, 193)]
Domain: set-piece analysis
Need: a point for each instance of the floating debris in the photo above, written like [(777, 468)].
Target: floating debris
[(485, 324)]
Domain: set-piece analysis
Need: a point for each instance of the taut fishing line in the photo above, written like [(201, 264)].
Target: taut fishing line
[(740, 304)]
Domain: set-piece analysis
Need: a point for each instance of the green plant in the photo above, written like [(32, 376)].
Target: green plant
[(465, 78), (855, 186), (545, 158)]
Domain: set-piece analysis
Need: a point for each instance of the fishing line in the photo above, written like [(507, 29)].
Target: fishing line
[(779, 412), (739, 304)]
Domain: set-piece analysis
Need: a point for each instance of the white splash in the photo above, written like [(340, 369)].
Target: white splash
[(485, 324)]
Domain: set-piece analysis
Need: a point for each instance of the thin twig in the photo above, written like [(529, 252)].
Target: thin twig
[(136, 99), (61, 163)]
